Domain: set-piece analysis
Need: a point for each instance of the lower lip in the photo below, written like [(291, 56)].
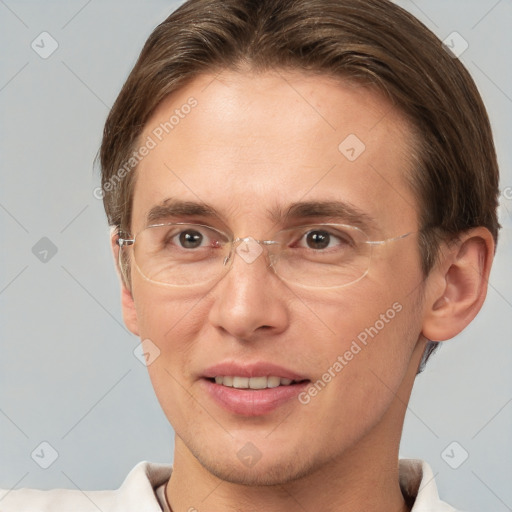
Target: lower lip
[(252, 402)]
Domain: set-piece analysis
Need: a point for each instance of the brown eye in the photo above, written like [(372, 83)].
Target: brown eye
[(190, 239), (318, 239)]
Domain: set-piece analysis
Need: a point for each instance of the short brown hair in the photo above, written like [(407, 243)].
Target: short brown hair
[(370, 41)]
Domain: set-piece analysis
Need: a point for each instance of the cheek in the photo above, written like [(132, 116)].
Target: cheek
[(173, 321), (374, 329), (369, 308), (361, 370)]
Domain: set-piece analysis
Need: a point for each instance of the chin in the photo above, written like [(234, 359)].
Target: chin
[(275, 474), (282, 469)]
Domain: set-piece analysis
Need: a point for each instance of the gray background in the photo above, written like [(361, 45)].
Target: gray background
[(68, 375)]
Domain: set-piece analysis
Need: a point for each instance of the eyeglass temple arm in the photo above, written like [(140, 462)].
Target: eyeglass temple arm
[(125, 241), (380, 242)]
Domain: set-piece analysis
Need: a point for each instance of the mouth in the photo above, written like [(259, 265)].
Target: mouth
[(255, 383), (252, 389)]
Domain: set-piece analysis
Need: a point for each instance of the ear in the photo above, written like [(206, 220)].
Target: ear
[(457, 285), (127, 302)]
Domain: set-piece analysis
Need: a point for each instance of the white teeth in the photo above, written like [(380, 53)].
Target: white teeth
[(241, 382), (252, 382), (273, 382), (258, 382)]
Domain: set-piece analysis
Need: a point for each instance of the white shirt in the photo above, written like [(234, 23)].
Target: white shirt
[(143, 491)]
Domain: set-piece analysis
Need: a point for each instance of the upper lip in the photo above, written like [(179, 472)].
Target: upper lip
[(255, 369)]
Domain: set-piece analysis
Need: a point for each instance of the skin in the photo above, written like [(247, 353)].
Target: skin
[(254, 142)]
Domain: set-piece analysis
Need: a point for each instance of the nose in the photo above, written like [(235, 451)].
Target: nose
[(250, 300)]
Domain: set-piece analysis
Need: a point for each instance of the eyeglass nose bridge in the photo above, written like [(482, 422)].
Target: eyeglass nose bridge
[(248, 248)]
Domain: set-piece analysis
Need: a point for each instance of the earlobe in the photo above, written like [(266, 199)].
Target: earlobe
[(127, 302), (457, 286)]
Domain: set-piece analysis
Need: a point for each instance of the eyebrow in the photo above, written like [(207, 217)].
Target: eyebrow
[(333, 211), (176, 208)]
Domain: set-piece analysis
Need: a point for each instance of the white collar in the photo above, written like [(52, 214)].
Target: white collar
[(417, 480), (139, 492)]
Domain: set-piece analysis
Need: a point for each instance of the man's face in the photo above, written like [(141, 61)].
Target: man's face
[(253, 146)]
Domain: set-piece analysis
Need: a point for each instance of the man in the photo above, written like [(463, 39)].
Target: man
[(303, 197)]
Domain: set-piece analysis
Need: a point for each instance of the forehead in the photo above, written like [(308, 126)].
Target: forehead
[(249, 145)]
